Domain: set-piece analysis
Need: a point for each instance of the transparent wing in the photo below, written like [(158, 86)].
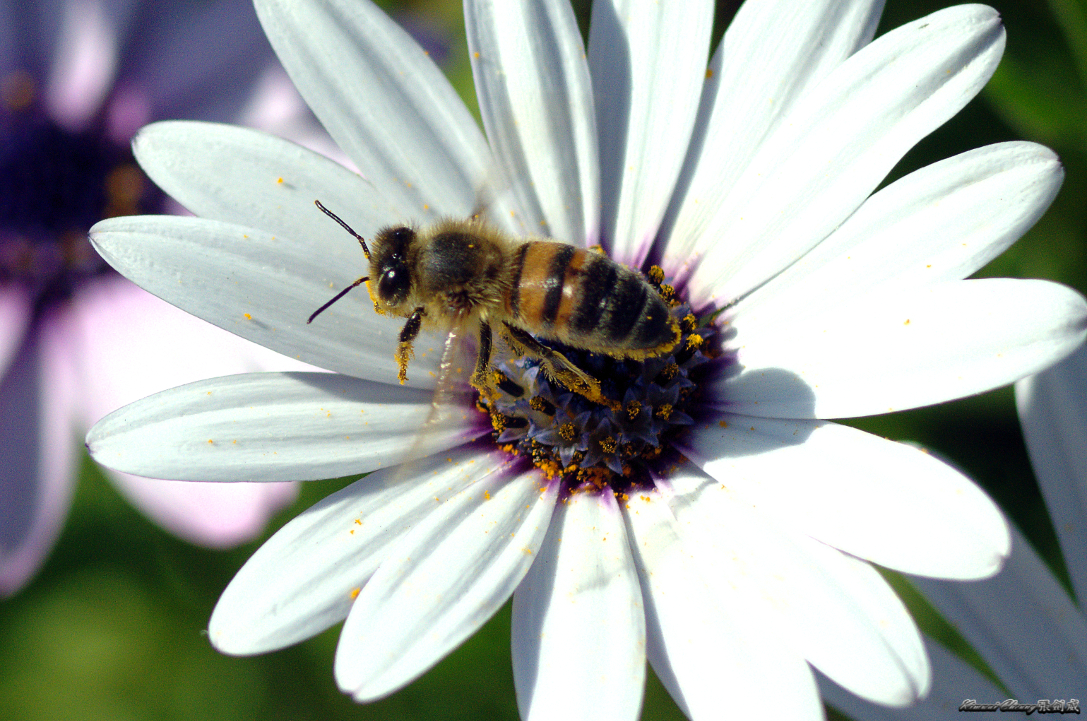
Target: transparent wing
[(452, 410)]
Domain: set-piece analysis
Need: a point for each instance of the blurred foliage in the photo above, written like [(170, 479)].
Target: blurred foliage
[(112, 628)]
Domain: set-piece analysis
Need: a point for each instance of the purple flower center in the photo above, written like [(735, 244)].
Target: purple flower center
[(54, 185)]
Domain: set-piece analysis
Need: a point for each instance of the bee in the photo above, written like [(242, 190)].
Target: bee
[(467, 275)]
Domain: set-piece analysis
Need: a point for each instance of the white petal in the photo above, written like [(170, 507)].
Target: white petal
[(875, 499), (702, 647), (840, 141), (37, 455), (305, 577), (1053, 411), (250, 178), (897, 350), (580, 607), (953, 681), (262, 287), (1021, 621), (273, 427), (940, 223), (837, 611), (772, 52), (441, 583), (536, 99), (383, 101), (648, 61)]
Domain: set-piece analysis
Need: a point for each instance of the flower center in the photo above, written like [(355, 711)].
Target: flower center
[(54, 185), (588, 445)]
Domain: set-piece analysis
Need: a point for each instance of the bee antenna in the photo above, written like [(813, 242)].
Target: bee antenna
[(346, 227), (335, 298)]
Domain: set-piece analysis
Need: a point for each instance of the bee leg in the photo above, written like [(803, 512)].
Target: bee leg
[(481, 378), (408, 333), (557, 366)]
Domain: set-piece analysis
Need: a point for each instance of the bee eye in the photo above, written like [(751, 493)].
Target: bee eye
[(392, 287)]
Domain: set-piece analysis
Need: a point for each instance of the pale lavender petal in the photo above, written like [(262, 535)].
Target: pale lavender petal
[(1022, 622), (15, 314), (194, 60), (131, 344), (37, 451), (83, 64)]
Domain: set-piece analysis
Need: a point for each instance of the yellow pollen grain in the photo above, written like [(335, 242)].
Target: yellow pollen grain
[(210, 441), (907, 322), (476, 55), (355, 593), (279, 180), (247, 316), (709, 73), (567, 432), (486, 495), (722, 424)]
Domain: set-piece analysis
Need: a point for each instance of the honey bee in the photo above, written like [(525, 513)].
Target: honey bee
[(469, 276)]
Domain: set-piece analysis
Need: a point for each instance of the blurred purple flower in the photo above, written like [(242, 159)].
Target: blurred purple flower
[(77, 79)]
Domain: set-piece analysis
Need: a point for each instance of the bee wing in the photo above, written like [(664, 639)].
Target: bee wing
[(451, 408)]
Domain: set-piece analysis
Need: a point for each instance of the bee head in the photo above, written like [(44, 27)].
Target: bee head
[(389, 265)]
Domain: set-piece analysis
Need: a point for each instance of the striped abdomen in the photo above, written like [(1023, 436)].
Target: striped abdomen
[(587, 300)]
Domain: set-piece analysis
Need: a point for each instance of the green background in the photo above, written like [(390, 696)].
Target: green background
[(113, 626)]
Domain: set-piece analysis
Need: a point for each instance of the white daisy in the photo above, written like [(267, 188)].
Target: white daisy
[(734, 556)]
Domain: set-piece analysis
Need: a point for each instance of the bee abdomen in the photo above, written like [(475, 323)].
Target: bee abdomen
[(588, 301)]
